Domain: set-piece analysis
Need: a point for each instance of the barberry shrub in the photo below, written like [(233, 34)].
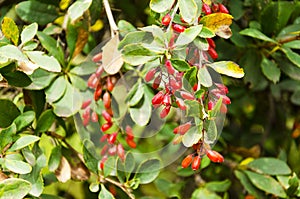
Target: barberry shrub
[(140, 114)]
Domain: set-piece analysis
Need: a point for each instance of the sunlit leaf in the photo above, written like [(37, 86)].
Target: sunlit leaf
[(17, 166), (188, 35), (228, 68), (44, 61), (270, 166), (161, 6), (77, 9), (204, 77), (14, 188), (10, 30), (29, 32), (23, 142), (188, 10), (148, 171), (292, 56), (256, 34)]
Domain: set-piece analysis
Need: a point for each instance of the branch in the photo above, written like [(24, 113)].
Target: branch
[(112, 23)]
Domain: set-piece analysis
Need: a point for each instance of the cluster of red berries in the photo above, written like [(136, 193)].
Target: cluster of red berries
[(215, 94), (103, 86), (195, 159)]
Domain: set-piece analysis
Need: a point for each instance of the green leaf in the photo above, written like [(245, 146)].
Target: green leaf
[(204, 77), (23, 142), (292, 44), (211, 134), (138, 95), (188, 10), (69, 104), (9, 112), (55, 158), (45, 121), (44, 61), (218, 186), (105, 194), (56, 90), (256, 34), (295, 98), (157, 33), (35, 11), (194, 108), (191, 137), (292, 56), (228, 68), (135, 37), (125, 27), (17, 78), (266, 183), (270, 70), (77, 9), (17, 166), (52, 46), (201, 43), (120, 170), (89, 155), (129, 164), (24, 120), (78, 82), (148, 171), (84, 68), (180, 65), (10, 30), (14, 188), (136, 54), (206, 33), (7, 136), (12, 53), (141, 113), (109, 166), (188, 35), (29, 156), (29, 32), (161, 6), (204, 193), (190, 78), (41, 79)]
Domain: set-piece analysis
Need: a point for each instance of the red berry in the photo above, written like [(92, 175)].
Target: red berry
[(112, 138), (210, 105), (99, 71), (109, 84), (214, 156), (94, 117), (105, 127), (206, 9), (186, 95), (223, 9), (195, 87), (211, 42), (104, 137), (156, 82), (92, 81), (101, 165), (106, 100), (129, 132), (180, 104), (196, 146), (86, 113), (187, 161), (222, 88), (98, 92), (158, 98), (150, 74), (215, 7), (167, 100), (97, 57), (175, 84), (104, 149), (106, 116), (182, 129), (178, 28), (86, 103), (196, 163), (169, 67), (121, 152), (223, 108), (165, 112), (131, 143), (212, 52), (112, 150), (166, 20)]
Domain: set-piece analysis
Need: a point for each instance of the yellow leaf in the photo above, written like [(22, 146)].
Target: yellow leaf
[(228, 68), (64, 4), (81, 41), (10, 30), (246, 161), (208, 2), (59, 20), (219, 23), (97, 26)]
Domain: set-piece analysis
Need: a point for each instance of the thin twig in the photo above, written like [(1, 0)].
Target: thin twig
[(111, 20), (120, 185)]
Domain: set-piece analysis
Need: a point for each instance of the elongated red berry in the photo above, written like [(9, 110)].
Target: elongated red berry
[(94, 117), (98, 92), (131, 143), (186, 95), (101, 165), (104, 149), (92, 81), (86, 113), (158, 98), (169, 67), (105, 126), (112, 150), (222, 88), (156, 82), (196, 163), (109, 84), (112, 138), (210, 105), (187, 161), (129, 132), (97, 57), (211, 42), (150, 74), (195, 87), (206, 9), (214, 156), (104, 137), (121, 152), (182, 129), (215, 7), (180, 104), (178, 28), (223, 9), (106, 116), (166, 20), (175, 84), (86, 103), (106, 100), (167, 100), (212, 52), (165, 112), (99, 71)]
